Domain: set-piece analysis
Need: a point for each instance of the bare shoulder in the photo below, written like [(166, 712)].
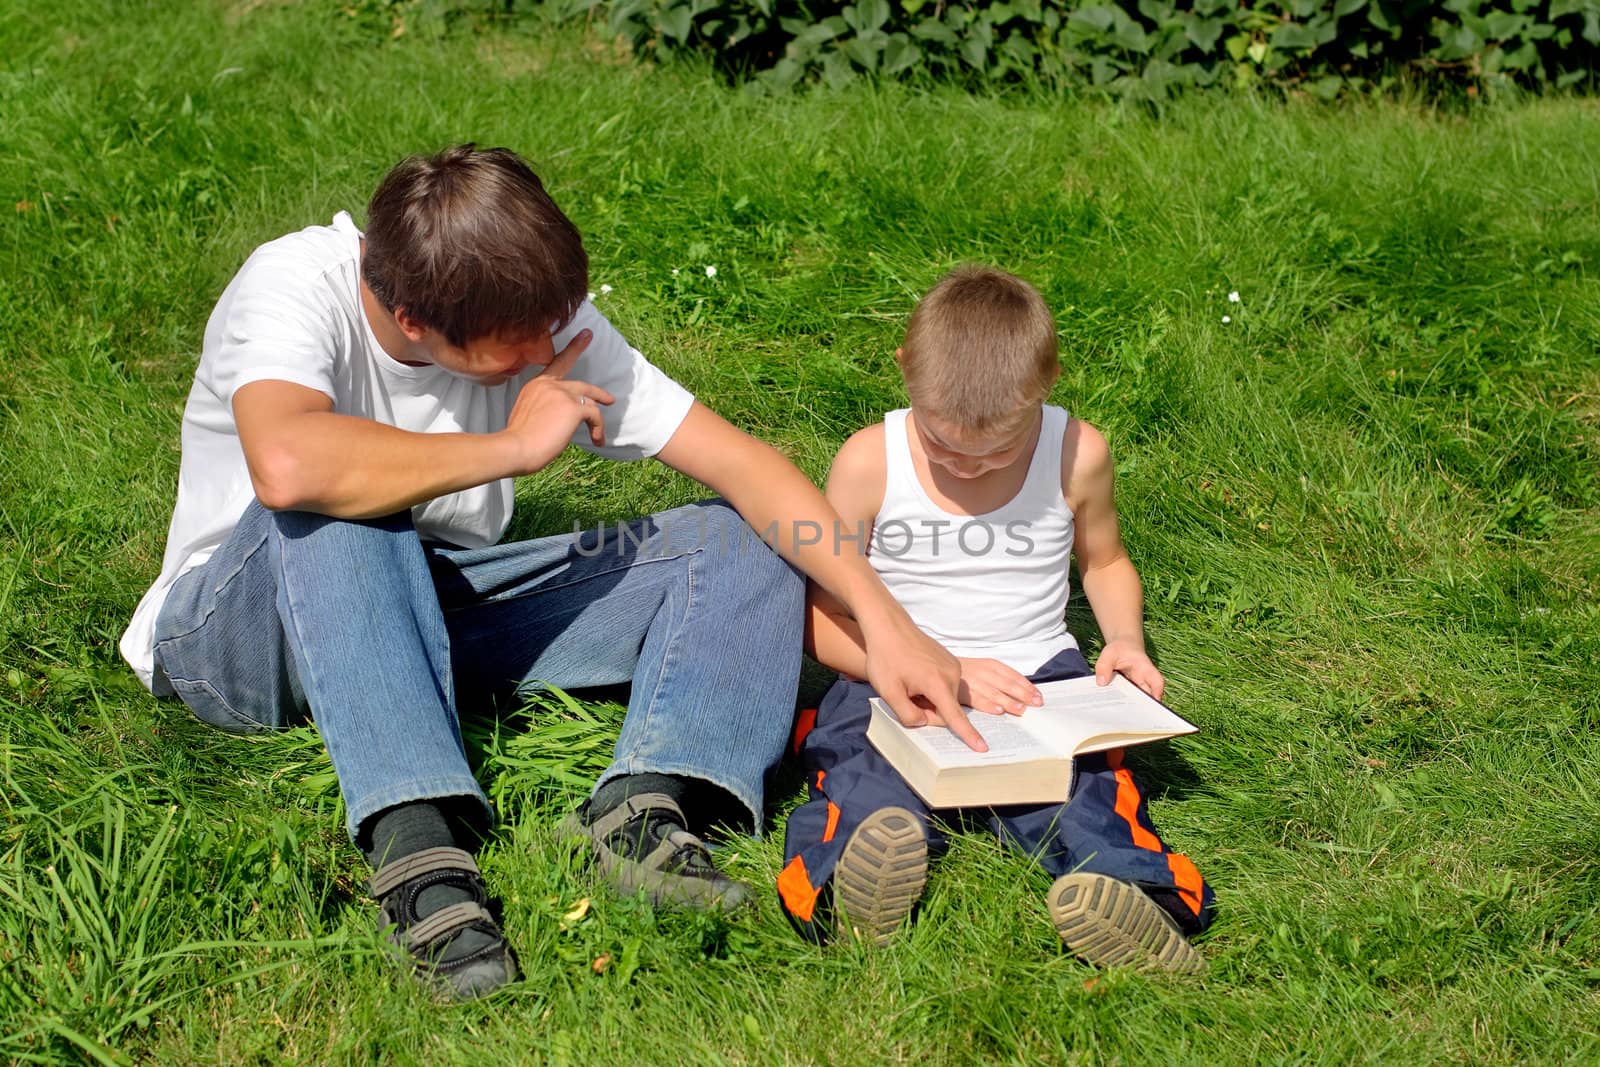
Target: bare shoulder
[(1085, 455), (858, 475)]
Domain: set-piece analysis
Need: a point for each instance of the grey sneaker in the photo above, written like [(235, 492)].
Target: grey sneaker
[(880, 875), (641, 844), (1110, 923)]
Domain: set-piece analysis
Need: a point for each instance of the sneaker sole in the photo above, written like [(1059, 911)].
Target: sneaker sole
[(1111, 923), (880, 875)]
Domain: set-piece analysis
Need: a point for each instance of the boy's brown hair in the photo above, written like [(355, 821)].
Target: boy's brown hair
[(980, 351), (469, 244)]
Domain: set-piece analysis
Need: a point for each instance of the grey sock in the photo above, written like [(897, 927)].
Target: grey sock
[(619, 789), (400, 831)]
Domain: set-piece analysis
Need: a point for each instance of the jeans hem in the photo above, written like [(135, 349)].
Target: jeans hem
[(442, 788), (752, 802)]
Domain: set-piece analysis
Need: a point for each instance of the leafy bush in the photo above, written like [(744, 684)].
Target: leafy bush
[(1145, 48)]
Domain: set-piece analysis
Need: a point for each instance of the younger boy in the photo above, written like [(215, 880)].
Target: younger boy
[(975, 499)]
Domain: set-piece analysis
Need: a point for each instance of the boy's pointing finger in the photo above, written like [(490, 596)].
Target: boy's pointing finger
[(957, 722)]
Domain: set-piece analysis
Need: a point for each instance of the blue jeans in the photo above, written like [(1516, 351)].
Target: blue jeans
[(381, 637)]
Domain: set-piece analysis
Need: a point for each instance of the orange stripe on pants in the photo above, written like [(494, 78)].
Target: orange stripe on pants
[(1128, 803), (833, 821), (796, 890), (803, 725), (1188, 880), (1184, 874)]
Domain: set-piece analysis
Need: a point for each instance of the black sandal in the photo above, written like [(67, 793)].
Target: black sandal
[(658, 856), (396, 887)]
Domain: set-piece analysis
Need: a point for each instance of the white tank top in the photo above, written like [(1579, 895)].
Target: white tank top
[(992, 585)]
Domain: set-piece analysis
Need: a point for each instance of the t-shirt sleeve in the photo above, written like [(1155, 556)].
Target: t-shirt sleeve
[(649, 405), (272, 323)]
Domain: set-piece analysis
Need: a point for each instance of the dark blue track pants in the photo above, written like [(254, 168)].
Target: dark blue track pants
[(1104, 827)]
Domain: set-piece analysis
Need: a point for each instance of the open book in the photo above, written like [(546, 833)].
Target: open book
[(1030, 756)]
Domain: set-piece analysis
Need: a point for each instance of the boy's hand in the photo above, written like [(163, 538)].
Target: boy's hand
[(550, 407), (991, 686), (918, 679), (1131, 661)]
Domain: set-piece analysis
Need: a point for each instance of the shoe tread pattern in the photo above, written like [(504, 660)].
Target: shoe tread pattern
[(880, 875), (1112, 923)]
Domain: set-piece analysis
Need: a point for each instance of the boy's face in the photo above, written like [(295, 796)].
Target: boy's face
[(488, 360), (970, 456)]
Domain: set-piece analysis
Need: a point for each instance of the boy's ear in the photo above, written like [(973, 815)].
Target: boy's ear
[(409, 326), (900, 357)]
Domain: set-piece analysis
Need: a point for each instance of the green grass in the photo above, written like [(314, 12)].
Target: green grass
[(1366, 512)]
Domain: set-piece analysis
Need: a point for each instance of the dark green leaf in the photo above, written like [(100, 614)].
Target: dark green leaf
[(1523, 58), (975, 51), (934, 30), (1203, 32), (1326, 88), (867, 15), (864, 50), (1096, 17), (1159, 12), (837, 71), (1500, 25), (1292, 37), (900, 54), (1458, 42), (1127, 33), (674, 22)]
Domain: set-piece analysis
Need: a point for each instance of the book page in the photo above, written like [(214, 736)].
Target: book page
[(1004, 734), (1078, 712), (1008, 741)]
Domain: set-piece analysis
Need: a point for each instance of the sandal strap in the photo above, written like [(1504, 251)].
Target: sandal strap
[(445, 921), (669, 847), (638, 804), (391, 876)]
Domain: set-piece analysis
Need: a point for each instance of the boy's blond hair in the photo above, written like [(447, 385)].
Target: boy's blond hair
[(980, 351)]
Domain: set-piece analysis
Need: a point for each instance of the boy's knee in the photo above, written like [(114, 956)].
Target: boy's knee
[(299, 525), (726, 533), (721, 527)]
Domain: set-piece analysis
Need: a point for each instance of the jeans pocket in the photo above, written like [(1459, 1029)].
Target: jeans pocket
[(210, 707)]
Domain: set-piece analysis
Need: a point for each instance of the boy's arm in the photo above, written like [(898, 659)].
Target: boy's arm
[(1109, 579), (855, 488), (304, 457), (910, 671)]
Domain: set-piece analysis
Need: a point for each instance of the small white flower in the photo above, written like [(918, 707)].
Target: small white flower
[(711, 272), (604, 289), (1226, 319), (1233, 297), (591, 294), (674, 272)]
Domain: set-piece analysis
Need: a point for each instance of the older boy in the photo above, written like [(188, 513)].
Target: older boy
[(362, 403), (976, 498)]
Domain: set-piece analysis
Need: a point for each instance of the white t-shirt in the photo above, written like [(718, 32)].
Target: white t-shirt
[(293, 313)]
